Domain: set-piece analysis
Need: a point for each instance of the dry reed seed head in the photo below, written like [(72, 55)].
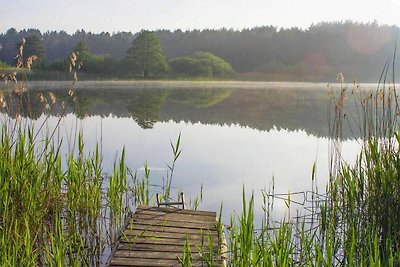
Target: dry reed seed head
[(13, 76), (2, 101), (63, 104), (75, 76), (340, 77), (72, 61), (47, 107), (20, 50), (52, 97), (70, 92), (41, 98), (5, 78), (29, 61), (20, 63), (73, 58)]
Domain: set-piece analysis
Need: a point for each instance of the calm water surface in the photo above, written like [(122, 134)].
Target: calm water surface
[(233, 134)]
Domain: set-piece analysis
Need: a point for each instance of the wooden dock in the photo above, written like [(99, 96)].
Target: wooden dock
[(156, 236)]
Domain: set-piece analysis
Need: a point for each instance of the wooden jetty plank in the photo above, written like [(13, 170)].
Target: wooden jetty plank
[(167, 241), (156, 236), (159, 234), (197, 225), (160, 255), (153, 262), (162, 234), (156, 247), (177, 215), (167, 229), (179, 211), (174, 218)]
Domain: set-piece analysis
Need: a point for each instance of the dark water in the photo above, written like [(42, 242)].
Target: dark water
[(233, 134)]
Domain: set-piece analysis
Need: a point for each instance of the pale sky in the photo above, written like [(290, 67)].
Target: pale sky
[(133, 15)]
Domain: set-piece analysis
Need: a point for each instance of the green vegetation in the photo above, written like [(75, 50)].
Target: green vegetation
[(356, 222), (4, 65), (260, 53), (145, 57), (53, 209), (61, 210), (201, 64), (52, 215)]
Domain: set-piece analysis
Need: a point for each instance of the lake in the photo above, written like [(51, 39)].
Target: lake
[(233, 134)]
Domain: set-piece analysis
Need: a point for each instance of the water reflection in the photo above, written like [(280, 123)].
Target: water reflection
[(290, 108), (231, 137)]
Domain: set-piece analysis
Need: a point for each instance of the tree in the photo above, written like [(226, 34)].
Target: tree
[(34, 47), (82, 49), (145, 56), (202, 64)]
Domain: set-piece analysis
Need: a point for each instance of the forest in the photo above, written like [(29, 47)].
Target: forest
[(318, 53)]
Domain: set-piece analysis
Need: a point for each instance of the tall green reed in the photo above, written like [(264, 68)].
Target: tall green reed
[(53, 209)]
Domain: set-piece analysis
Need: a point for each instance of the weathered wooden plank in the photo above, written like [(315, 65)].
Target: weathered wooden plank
[(157, 237), (177, 215), (156, 247), (180, 211), (174, 218), (158, 254), (154, 262), (167, 229), (167, 241), (144, 262), (161, 234), (181, 224)]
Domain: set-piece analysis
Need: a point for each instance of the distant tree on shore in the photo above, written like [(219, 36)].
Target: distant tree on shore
[(317, 53), (82, 49), (34, 47), (201, 64), (145, 56)]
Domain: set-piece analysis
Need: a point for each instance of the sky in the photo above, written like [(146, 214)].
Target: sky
[(133, 15)]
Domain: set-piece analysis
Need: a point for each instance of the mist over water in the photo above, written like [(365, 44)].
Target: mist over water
[(232, 136)]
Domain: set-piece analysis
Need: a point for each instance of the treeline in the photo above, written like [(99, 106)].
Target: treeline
[(359, 50)]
